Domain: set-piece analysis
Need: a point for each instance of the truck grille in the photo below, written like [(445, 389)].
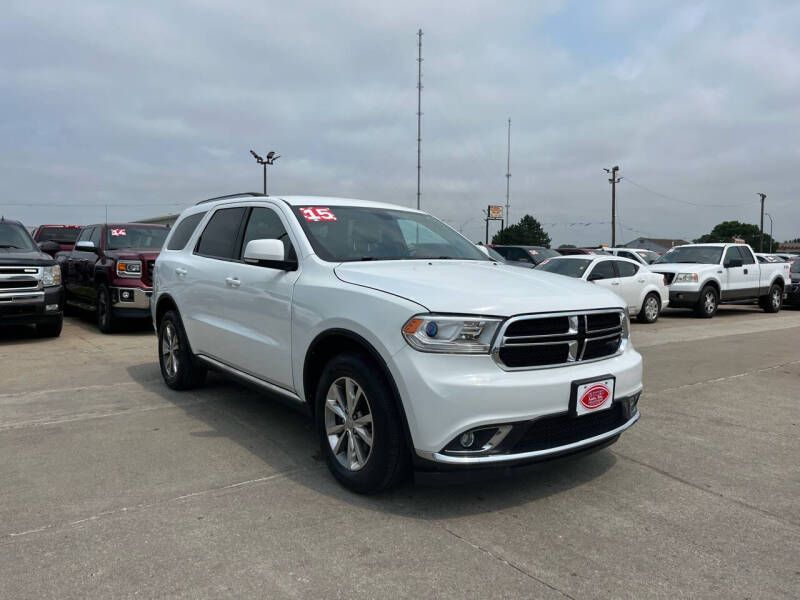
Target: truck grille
[(19, 278), (18, 284), (540, 341), (668, 277)]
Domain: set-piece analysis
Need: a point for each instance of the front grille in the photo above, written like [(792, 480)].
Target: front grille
[(549, 340), (18, 284), (667, 276), (560, 430)]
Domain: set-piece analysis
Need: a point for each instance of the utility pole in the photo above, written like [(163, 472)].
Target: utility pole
[(614, 180), (419, 114), (508, 173), (761, 241)]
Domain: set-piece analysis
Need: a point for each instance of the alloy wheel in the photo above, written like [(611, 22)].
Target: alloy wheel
[(651, 308), (776, 298), (709, 302), (169, 349), (348, 423)]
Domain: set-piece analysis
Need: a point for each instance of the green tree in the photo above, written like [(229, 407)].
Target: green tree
[(728, 230), (528, 232)]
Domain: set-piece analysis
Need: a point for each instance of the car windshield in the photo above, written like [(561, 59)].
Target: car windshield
[(704, 255), (495, 255), (125, 236), (571, 267), (63, 235), (353, 233), (648, 256), (538, 254), (796, 266), (15, 237)]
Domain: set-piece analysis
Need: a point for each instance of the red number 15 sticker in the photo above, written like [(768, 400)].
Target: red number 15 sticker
[(318, 213)]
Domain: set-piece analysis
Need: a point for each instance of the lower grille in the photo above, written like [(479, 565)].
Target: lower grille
[(560, 430)]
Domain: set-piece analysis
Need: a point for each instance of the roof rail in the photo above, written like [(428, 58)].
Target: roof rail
[(231, 196)]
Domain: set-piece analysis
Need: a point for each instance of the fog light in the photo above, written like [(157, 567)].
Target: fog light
[(467, 439), (126, 295), (51, 307)]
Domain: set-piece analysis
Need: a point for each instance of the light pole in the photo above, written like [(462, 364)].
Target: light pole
[(771, 250), (271, 158), (614, 180)]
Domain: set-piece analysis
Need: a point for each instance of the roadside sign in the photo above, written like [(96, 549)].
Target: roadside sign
[(495, 211)]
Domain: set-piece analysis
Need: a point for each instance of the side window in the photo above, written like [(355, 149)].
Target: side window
[(219, 237), (86, 233), (603, 270), (97, 237), (184, 230), (626, 269), (518, 255), (626, 254), (265, 224), (502, 252), (731, 253), (747, 256)]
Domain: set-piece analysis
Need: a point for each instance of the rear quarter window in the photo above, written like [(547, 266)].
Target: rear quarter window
[(184, 231)]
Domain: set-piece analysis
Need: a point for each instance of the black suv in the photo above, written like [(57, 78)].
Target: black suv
[(30, 282), (528, 256)]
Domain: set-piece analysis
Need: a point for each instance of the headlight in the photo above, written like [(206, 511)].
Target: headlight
[(686, 277), (51, 275), (129, 268), (451, 335)]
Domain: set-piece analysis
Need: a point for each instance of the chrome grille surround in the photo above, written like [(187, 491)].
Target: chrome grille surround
[(20, 278), (572, 341)]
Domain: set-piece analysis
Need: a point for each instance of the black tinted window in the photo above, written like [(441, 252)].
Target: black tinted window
[(501, 251), (603, 270), (626, 269), (184, 230), (747, 256), (219, 237), (15, 237), (732, 253), (96, 236), (565, 266), (85, 234), (264, 224)]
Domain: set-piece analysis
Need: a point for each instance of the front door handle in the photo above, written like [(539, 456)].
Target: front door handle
[(745, 271), (615, 283), (180, 272), (233, 282)]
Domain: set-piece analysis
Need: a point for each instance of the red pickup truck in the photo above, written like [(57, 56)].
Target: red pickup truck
[(56, 238), (110, 270)]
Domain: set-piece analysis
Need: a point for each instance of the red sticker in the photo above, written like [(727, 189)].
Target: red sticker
[(595, 396), (318, 213), (118, 232), (534, 252)]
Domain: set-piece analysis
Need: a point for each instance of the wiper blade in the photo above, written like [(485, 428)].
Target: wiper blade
[(10, 246)]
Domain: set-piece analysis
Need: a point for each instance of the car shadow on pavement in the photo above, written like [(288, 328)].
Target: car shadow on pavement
[(87, 320), (272, 431)]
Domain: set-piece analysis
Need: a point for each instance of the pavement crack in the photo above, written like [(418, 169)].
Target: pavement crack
[(729, 377), (684, 481), (506, 562)]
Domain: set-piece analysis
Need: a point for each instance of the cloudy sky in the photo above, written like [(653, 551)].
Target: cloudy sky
[(149, 106)]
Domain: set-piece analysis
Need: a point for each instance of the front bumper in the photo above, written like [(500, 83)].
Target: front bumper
[(445, 395), (35, 306), (131, 299)]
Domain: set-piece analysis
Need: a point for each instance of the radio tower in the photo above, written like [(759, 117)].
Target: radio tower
[(419, 114)]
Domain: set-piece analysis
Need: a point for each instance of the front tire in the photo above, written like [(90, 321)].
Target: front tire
[(651, 308), (772, 302), (105, 317), (359, 425), (179, 367), (708, 303)]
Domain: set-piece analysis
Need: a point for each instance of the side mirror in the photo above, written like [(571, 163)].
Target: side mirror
[(85, 246), (734, 262), (49, 247), (268, 253)]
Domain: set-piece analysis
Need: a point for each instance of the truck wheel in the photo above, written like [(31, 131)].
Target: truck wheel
[(359, 425), (772, 302), (708, 303), (651, 307), (50, 328), (179, 367), (105, 319)]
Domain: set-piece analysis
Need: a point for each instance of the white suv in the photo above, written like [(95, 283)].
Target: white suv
[(408, 345)]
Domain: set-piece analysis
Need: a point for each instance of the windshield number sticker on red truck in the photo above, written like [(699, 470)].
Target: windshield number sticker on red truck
[(594, 396), (118, 232), (317, 213)]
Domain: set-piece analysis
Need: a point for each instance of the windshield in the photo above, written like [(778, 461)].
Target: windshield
[(648, 256), (705, 255), (571, 267), (15, 237), (352, 233), (495, 255), (538, 254), (63, 235), (126, 236), (796, 266)]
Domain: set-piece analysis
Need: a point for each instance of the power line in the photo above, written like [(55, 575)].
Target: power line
[(666, 197)]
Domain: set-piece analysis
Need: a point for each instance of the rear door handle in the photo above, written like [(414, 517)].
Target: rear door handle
[(180, 272), (232, 282)]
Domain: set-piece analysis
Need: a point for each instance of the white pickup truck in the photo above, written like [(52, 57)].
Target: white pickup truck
[(407, 344), (703, 276)]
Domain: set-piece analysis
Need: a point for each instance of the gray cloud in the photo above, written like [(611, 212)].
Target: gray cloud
[(153, 105)]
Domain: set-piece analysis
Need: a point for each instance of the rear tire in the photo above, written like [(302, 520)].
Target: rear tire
[(651, 308), (708, 303), (103, 310), (179, 367), (772, 302), (51, 328), (359, 425)]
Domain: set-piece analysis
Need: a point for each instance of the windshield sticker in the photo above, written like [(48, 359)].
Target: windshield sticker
[(118, 232), (534, 252), (317, 213)]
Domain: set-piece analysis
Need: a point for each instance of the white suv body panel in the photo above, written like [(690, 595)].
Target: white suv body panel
[(278, 315)]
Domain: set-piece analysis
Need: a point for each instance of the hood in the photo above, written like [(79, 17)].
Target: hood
[(33, 258), (681, 267), (477, 287)]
